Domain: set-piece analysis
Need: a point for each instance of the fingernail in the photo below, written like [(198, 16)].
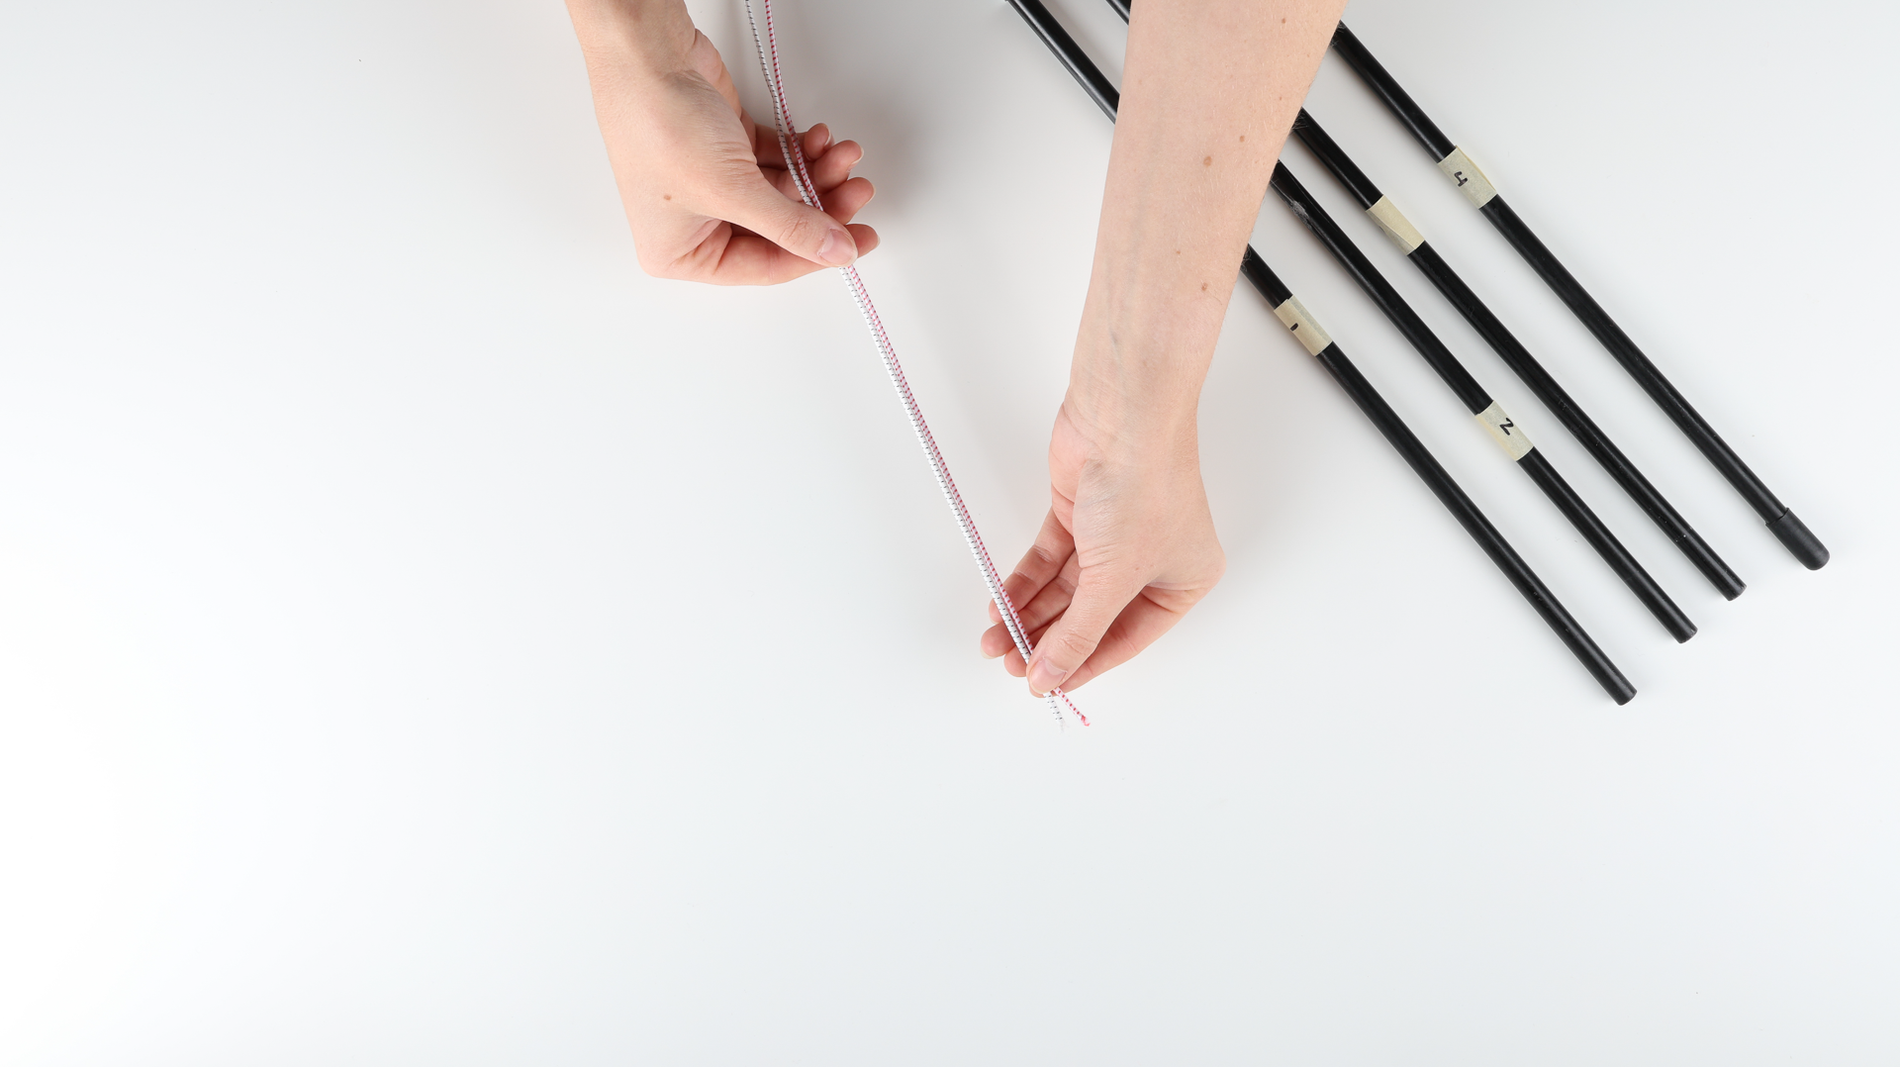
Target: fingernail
[(838, 250), (1043, 677)]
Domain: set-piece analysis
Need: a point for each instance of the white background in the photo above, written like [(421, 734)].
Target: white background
[(425, 639)]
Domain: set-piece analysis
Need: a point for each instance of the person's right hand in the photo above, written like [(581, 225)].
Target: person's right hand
[(1128, 547), (706, 189)]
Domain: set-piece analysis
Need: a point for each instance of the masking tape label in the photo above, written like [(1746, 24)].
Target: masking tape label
[(1469, 179), (1507, 433), (1395, 225), (1297, 319)]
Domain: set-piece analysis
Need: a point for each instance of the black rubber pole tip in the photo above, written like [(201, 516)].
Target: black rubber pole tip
[(1725, 581), (1623, 693), (1795, 536)]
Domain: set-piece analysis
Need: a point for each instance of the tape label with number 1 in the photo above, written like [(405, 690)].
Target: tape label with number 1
[(1300, 321)]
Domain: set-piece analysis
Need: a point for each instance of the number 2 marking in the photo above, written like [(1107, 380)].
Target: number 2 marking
[(1506, 426)]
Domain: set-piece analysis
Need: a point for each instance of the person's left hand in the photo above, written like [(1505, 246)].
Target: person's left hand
[(708, 191)]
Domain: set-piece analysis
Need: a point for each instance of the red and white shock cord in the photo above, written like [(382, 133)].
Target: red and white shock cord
[(767, 46)]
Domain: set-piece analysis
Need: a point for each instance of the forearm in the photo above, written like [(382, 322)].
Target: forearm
[(632, 37), (1211, 89)]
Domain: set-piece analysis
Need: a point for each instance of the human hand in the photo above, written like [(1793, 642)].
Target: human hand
[(1127, 548), (707, 190)]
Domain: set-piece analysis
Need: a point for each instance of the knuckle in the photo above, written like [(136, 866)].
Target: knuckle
[(1112, 573), (1068, 649), (1045, 555), (798, 231)]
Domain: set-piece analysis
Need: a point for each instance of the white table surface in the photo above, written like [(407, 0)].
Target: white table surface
[(425, 639)]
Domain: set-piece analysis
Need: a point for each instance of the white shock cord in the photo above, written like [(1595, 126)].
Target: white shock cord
[(767, 46)]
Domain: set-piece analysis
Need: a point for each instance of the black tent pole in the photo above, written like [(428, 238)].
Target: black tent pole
[(1489, 413), (1453, 288), (1457, 165)]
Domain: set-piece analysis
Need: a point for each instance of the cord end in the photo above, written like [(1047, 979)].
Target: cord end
[(1057, 694)]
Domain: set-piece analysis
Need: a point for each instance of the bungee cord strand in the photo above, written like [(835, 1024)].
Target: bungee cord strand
[(767, 45)]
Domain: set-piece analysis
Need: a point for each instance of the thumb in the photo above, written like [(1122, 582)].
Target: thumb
[(800, 229), (1071, 639)]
